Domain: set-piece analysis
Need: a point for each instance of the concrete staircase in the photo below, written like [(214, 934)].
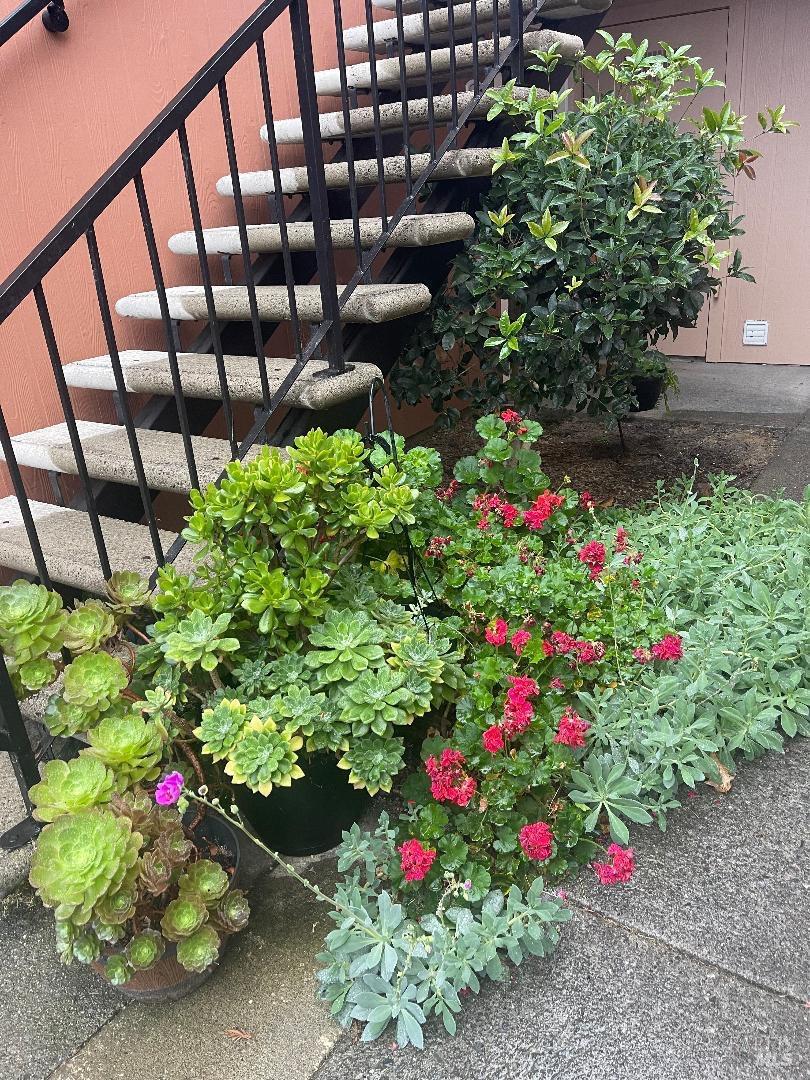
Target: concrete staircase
[(64, 532)]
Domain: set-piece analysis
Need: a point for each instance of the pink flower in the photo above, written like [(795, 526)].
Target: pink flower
[(448, 780), (586, 501), (571, 729), (642, 655), (496, 634), (562, 643), (493, 739), (635, 583), (541, 509), (589, 652), (509, 514), (620, 543), (556, 684), (415, 860), (446, 494), (593, 555), (669, 647), (435, 548), (519, 640), (522, 684), (619, 869), (536, 841), (509, 416), (169, 789), (548, 648)]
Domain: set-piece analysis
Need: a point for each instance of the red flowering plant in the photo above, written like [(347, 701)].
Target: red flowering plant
[(551, 607)]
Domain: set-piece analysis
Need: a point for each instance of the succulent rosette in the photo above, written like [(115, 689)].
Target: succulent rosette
[(183, 917), (93, 681), (88, 626), (231, 913), (80, 858), (68, 786), (117, 971), (265, 756), (199, 951), (31, 621), (373, 762), (144, 950), (127, 591), (220, 727), (205, 879), (129, 745), (36, 674)]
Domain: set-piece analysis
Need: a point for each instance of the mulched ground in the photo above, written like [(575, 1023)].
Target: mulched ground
[(662, 449)]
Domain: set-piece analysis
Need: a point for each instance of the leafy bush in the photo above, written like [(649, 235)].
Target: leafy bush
[(604, 231)]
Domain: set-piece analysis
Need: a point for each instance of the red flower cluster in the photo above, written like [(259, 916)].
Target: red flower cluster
[(496, 633), (669, 647), (446, 494), (587, 652), (586, 501), (518, 710), (415, 860), (593, 555), (519, 640), (556, 684), (448, 780), (620, 868), (541, 509), (509, 416), (620, 543), (435, 548), (487, 504), (493, 739), (571, 729), (536, 841)]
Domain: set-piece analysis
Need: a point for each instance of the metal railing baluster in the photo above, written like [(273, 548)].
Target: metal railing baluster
[(375, 112), (22, 501), (244, 243), (168, 329), (403, 94), (451, 32), (205, 274), (278, 196), (73, 431), (474, 37), (120, 385), (431, 115), (345, 105)]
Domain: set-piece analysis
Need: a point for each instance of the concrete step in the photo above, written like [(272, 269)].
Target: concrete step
[(391, 117), (417, 230), (149, 373), (107, 455), (367, 304), (358, 76), (386, 31), (455, 164), (69, 548), (551, 9)]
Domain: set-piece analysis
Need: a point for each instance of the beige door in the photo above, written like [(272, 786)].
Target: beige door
[(708, 34)]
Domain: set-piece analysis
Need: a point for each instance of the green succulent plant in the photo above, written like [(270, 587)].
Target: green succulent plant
[(144, 950), (373, 762), (199, 640), (80, 858), (299, 705), (220, 727), (345, 645), (183, 917), (376, 701), (129, 745), (231, 913), (86, 947), (174, 845), (118, 907), (199, 951), (127, 591), (88, 626), (205, 879), (117, 971), (31, 621), (109, 933), (156, 872), (68, 786), (252, 678), (35, 675), (93, 681), (62, 718), (417, 652), (264, 756)]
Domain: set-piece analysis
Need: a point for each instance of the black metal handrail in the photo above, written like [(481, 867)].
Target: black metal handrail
[(54, 18)]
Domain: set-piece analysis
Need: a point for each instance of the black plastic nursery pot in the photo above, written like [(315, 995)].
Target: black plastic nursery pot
[(309, 816), (648, 389), (168, 980)]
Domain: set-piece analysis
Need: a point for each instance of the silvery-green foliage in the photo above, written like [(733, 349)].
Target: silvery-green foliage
[(734, 575), (386, 968)]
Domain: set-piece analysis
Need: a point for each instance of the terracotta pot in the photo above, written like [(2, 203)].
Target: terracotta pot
[(168, 980), (309, 816)]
